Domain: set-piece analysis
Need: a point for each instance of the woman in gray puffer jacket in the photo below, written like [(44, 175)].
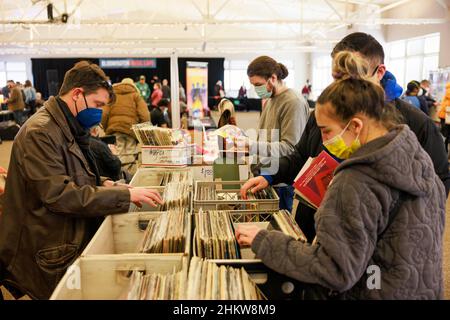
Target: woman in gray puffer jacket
[(386, 173)]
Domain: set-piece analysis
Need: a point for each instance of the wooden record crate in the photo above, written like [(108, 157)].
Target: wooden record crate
[(227, 197), (106, 277), (122, 233)]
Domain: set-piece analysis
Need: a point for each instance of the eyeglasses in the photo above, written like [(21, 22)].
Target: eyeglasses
[(104, 84), (376, 70)]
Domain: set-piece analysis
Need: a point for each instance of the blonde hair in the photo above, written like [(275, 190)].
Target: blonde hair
[(226, 104), (356, 91), (129, 81), (350, 65)]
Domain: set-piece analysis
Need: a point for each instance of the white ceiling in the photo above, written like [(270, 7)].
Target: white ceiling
[(159, 27)]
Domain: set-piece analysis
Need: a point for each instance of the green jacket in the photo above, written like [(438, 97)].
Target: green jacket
[(144, 90)]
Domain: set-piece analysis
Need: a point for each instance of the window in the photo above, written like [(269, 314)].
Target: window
[(236, 75), (413, 59), (2, 74), (12, 71), (321, 74)]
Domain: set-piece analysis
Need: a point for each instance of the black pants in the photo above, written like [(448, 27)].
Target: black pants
[(18, 116), (445, 130), (32, 105)]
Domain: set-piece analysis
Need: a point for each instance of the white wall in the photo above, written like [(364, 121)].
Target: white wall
[(421, 9)]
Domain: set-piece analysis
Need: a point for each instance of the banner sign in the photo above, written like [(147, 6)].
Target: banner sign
[(118, 63), (197, 88)]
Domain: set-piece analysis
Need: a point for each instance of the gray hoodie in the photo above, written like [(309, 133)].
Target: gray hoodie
[(354, 213)]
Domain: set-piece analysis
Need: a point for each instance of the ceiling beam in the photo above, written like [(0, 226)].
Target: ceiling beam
[(382, 21), (63, 42), (443, 5), (392, 6), (334, 10), (361, 3), (220, 8)]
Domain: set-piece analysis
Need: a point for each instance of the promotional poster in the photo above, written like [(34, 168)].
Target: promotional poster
[(197, 88)]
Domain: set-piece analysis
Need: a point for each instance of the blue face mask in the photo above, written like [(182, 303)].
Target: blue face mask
[(262, 92), (391, 88), (89, 117)]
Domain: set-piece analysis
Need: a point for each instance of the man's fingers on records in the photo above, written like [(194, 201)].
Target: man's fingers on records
[(153, 194)]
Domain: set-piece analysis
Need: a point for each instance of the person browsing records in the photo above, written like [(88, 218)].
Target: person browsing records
[(385, 206)]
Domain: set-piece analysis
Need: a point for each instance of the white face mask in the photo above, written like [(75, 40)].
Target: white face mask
[(420, 92)]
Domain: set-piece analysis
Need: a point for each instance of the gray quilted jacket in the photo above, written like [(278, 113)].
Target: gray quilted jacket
[(355, 212)]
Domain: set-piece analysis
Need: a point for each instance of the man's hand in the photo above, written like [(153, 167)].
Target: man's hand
[(246, 234), (143, 195), (254, 185), (113, 149), (108, 183)]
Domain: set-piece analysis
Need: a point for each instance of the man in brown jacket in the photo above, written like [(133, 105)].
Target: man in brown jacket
[(128, 109), (54, 197), (15, 102)]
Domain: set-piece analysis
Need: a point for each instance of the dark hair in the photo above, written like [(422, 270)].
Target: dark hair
[(356, 92), (88, 76), (411, 86), (363, 43), (224, 118), (28, 84), (265, 67), (163, 103)]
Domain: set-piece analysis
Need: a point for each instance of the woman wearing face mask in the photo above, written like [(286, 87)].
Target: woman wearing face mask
[(381, 222), (282, 121)]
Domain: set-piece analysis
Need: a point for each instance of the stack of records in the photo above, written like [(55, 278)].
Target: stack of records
[(215, 238), (184, 176), (147, 134), (207, 281), (288, 225), (176, 196), (206, 192), (156, 286), (166, 234), (204, 281)]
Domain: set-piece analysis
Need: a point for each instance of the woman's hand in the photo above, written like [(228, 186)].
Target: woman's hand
[(246, 234), (254, 185), (140, 196)]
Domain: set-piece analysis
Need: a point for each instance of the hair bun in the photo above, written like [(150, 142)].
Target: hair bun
[(283, 71), (350, 65)]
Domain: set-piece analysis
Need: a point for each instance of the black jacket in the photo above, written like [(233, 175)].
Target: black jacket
[(310, 145), (108, 164), (157, 117)]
